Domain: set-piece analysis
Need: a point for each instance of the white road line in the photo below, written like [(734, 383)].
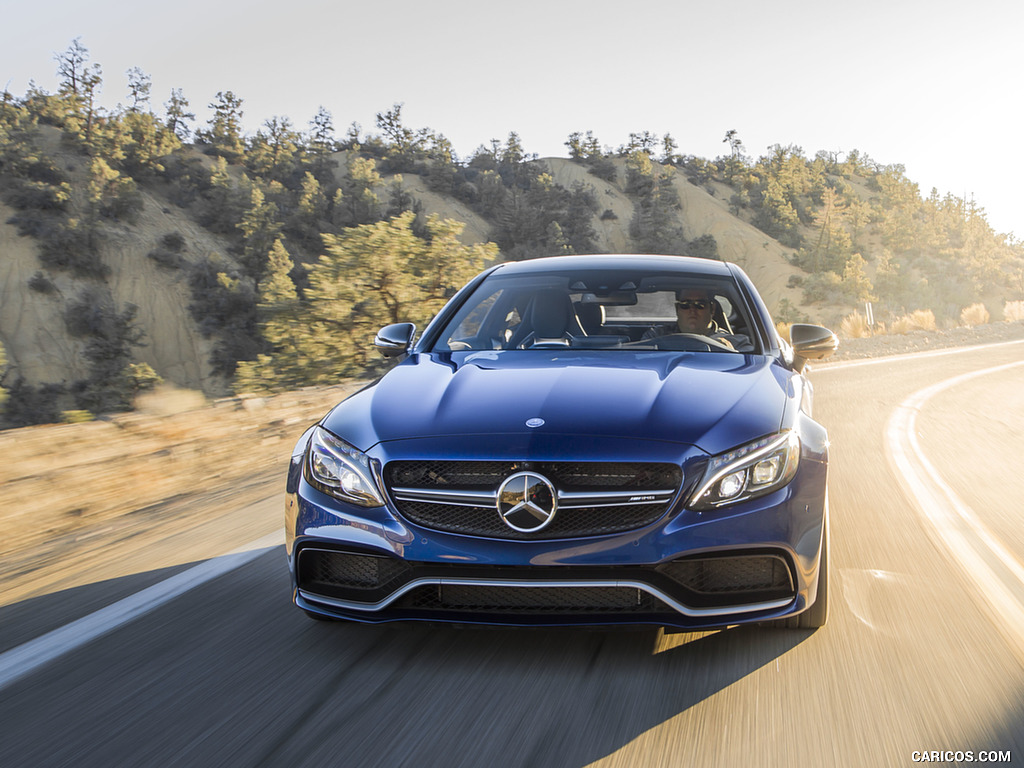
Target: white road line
[(26, 658), (997, 573)]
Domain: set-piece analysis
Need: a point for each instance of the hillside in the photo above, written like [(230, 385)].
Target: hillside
[(129, 254), (41, 350)]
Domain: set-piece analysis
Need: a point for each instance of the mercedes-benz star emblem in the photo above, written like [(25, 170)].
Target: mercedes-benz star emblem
[(527, 502)]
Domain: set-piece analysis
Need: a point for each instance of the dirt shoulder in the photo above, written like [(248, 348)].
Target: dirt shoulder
[(92, 501)]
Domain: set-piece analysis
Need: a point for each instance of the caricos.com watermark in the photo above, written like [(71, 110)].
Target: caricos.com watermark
[(960, 756)]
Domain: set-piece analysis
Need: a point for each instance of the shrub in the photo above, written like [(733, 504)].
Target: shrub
[(166, 259), (1013, 311), (88, 316), (922, 320), (900, 325), (168, 250), (109, 337), (825, 287), (141, 377), (125, 204), (71, 249), (28, 405), (787, 312), (40, 283), (604, 169), (76, 417), (173, 242), (703, 247), (918, 320), (609, 215), (224, 306), (855, 326), (38, 196), (976, 314)]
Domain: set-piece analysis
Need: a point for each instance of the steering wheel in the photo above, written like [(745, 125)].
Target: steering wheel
[(690, 342)]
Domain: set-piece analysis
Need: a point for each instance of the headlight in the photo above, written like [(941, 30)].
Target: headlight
[(335, 467), (751, 470)]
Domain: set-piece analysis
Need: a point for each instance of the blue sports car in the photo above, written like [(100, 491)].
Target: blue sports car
[(576, 440)]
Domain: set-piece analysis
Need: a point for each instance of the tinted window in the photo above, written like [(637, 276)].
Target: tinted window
[(607, 310)]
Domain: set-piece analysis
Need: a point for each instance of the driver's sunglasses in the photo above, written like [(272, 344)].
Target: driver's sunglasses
[(686, 304)]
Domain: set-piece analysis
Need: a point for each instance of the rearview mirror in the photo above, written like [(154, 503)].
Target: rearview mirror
[(610, 298), (811, 342), (395, 339)]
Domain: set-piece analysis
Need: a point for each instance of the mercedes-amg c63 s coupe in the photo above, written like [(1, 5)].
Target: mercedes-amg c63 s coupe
[(575, 440)]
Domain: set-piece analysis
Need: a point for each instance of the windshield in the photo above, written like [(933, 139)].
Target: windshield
[(593, 309)]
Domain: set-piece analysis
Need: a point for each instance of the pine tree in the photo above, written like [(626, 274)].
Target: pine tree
[(224, 135), (321, 142), (178, 116), (369, 276), (139, 86), (312, 203), (147, 143), (359, 201), (260, 230), (274, 151), (71, 67)]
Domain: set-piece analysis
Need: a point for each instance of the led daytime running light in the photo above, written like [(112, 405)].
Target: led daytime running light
[(337, 468), (781, 450)]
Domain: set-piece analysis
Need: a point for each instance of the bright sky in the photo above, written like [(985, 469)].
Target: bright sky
[(932, 84)]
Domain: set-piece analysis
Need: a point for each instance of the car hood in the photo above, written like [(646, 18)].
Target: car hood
[(714, 401)]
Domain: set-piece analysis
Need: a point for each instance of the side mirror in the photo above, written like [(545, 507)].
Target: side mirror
[(394, 340), (811, 342)]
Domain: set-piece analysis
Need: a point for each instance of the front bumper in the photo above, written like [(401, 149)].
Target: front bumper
[(751, 562)]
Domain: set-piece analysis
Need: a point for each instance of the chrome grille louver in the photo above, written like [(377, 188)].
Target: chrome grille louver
[(593, 498)]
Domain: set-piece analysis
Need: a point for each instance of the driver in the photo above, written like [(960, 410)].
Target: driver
[(694, 315)]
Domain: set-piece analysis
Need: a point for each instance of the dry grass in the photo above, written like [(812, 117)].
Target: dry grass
[(783, 330), (855, 326), (1013, 311), (74, 475), (918, 320), (974, 315)]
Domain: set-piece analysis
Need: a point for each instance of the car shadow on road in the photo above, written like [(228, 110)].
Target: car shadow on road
[(255, 678), (531, 697)]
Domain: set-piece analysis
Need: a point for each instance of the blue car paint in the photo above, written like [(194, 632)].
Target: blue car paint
[(714, 401)]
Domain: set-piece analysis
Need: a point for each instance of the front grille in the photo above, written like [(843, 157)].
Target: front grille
[(568, 523), (595, 498), (570, 475), (532, 600)]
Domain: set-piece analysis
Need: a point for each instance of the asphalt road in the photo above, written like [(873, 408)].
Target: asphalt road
[(916, 656)]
